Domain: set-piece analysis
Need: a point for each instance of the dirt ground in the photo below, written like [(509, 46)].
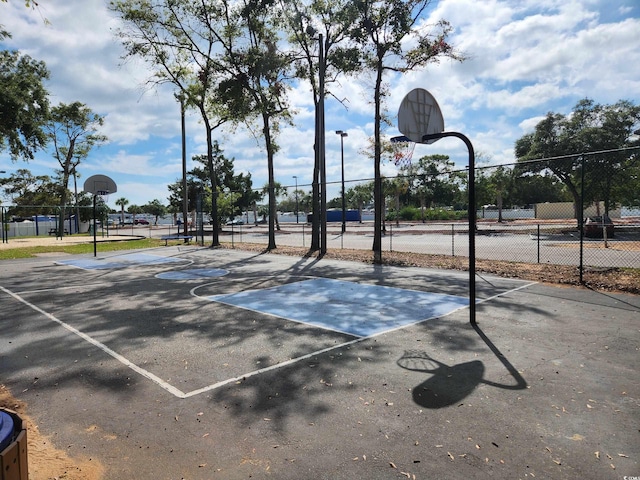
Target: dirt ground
[(46, 462), (619, 280)]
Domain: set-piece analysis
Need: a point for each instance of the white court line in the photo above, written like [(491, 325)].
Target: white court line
[(292, 361), (157, 380), (178, 393), (507, 292)]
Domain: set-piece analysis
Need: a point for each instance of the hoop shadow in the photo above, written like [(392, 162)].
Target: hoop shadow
[(449, 385)]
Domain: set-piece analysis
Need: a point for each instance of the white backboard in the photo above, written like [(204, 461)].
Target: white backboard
[(419, 114), (100, 185)]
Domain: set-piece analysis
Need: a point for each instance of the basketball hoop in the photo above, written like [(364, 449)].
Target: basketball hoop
[(402, 148), (103, 195), (100, 186)]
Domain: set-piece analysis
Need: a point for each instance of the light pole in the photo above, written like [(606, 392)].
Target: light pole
[(344, 210), (5, 236), (296, 192), (185, 198)]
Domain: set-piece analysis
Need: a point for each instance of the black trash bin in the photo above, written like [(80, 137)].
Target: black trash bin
[(13, 447)]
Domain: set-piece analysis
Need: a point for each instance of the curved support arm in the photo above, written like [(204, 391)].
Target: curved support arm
[(471, 190)]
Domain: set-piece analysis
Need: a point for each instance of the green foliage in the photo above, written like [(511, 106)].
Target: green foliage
[(563, 144), (359, 195), (227, 205), (155, 208), (122, 202), (198, 184), (25, 104), (382, 31), (415, 214), (72, 129), (433, 181)]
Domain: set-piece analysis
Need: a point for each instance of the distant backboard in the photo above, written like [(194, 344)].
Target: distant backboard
[(419, 114), (100, 185)]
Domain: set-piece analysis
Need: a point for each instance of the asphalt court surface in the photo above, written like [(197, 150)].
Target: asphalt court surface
[(197, 363), (161, 315)]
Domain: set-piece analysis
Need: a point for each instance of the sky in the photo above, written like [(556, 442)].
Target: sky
[(524, 58)]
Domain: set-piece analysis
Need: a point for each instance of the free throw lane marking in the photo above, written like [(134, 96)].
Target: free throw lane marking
[(356, 309), (178, 393)]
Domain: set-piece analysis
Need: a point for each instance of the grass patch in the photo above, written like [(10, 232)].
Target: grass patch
[(81, 248)]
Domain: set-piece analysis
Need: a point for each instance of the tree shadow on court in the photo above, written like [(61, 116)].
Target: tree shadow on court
[(307, 389), (450, 384), (140, 316), (58, 362)]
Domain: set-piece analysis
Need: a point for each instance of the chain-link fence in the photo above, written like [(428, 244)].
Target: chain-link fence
[(577, 210), (580, 210), (43, 220)]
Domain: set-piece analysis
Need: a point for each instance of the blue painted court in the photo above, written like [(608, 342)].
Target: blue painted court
[(356, 309), (118, 261)]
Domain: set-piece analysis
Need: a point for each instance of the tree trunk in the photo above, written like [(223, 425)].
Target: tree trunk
[(315, 189), (272, 193), (215, 222), (378, 199), (66, 169)]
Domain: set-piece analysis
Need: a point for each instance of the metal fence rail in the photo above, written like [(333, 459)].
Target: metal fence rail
[(544, 243)]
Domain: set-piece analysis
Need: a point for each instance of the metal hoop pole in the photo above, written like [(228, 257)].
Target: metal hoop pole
[(471, 212)]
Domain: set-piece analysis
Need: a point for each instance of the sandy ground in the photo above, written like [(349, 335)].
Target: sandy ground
[(45, 462)]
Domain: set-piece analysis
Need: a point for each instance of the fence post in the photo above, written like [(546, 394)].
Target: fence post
[(581, 220), (5, 233), (538, 243), (453, 241)]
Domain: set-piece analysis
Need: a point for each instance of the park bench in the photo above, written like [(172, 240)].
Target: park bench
[(166, 238), (54, 231)]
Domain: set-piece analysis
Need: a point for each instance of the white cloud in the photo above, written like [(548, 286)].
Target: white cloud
[(525, 58)]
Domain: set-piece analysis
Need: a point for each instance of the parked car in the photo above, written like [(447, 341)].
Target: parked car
[(141, 221), (235, 222), (593, 226)]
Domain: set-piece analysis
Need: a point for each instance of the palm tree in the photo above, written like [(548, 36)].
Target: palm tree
[(122, 202)]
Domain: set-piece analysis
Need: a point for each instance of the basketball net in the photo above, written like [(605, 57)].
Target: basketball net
[(402, 149), (103, 196)]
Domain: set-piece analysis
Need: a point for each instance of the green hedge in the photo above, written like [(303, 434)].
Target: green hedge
[(414, 214)]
